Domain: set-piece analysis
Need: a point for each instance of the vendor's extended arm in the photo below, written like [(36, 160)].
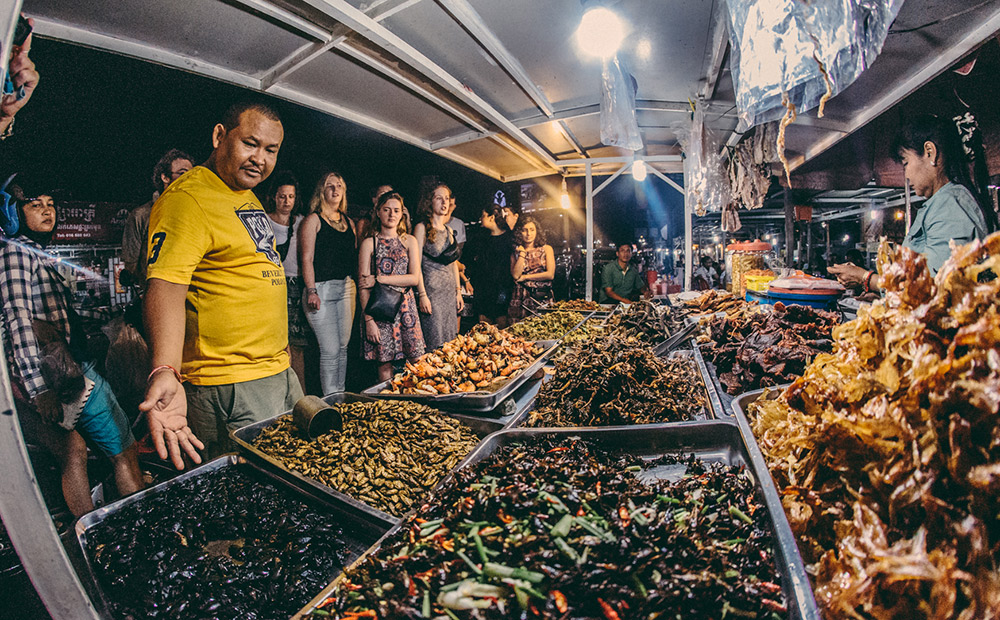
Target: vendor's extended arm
[(166, 403)]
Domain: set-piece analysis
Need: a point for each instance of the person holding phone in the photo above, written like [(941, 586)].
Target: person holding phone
[(21, 74)]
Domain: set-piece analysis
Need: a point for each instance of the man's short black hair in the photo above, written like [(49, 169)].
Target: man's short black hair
[(231, 119), (163, 166), (619, 245)]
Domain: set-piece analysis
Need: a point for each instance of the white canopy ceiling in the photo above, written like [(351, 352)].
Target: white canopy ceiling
[(497, 85)]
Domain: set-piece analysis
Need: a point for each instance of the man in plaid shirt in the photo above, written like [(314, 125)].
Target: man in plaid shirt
[(35, 295)]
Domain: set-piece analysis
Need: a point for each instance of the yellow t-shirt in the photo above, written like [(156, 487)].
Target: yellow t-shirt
[(219, 243)]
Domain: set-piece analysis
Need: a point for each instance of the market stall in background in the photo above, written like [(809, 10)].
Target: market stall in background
[(751, 439)]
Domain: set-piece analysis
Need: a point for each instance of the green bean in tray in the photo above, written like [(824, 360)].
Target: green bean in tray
[(611, 381), (559, 528), (389, 454), (551, 326)]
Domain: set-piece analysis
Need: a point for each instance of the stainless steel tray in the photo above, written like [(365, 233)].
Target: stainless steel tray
[(359, 532), (803, 587), (714, 441), (605, 310), (469, 401), (722, 403), (244, 437), (709, 412)]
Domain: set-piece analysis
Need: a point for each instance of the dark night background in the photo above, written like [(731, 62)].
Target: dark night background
[(99, 122)]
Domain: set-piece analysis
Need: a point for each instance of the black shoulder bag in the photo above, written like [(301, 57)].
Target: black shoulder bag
[(384, 302)]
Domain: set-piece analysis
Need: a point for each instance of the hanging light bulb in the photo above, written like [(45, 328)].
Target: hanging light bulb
[(639, 170), (564, 198), (601, 32)]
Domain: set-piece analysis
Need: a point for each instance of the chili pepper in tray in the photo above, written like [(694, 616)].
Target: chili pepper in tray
[(538, 532)]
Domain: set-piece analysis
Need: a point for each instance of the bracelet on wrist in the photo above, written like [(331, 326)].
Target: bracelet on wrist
[(177, 375), (311, 291)]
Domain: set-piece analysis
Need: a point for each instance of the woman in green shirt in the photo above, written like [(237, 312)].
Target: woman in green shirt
[(935, 163)]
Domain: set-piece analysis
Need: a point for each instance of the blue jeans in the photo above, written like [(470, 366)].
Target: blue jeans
[(332, 326)]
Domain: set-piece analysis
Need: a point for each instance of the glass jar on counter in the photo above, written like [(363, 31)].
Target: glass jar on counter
[(742, 257)]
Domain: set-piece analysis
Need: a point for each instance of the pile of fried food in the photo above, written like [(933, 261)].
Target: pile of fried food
[(888, 450), (763, 349), (608, 381), (642, 320), (575, 305), (549, 326), (712, 302), (481, 360)]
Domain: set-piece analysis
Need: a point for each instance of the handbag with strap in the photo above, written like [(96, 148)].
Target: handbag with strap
[(384, 302)]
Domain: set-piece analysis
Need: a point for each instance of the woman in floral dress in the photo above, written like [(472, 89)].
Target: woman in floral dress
[(397, 261), (533, 267)]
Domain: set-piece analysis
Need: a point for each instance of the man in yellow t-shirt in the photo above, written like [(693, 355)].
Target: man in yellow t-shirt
[(215, 307)]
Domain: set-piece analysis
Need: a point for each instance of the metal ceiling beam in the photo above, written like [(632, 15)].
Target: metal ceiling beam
[(986, 29), (468, 18), (473, 23), (715, 49), (380, 36), (64, 32), (616, 160), (464, 138), (379, 10), (286, 17), (407, 82)]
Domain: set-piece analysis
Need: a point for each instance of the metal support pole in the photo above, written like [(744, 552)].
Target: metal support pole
[(789, 229), (809, 245), (590, 234), (906, 196), (688, 225)]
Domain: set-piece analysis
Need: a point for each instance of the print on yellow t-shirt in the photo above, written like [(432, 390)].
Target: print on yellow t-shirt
[(218, 242)]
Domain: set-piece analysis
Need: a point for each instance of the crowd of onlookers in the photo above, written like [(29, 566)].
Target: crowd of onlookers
[(235, 290)]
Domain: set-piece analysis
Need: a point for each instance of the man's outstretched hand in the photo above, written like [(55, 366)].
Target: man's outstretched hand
[(166, 408)]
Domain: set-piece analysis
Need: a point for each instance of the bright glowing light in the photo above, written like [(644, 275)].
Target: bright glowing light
[(873, 213), (639, 170), (601, 32), (824, 224), (847, 238), (564, 198), (644, 49), (899, 215), (715, 238)]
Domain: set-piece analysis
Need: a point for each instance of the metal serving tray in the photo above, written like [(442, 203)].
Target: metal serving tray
[(469, 401), (605, 310), (712, 378), (767, 485), (245, 436), (713, 441), (359, 532), (708, 412)]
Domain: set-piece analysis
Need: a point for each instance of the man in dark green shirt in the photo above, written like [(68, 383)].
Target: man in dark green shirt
[(620, 280)]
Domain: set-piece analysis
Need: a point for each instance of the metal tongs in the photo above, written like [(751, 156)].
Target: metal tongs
[(675, 341)]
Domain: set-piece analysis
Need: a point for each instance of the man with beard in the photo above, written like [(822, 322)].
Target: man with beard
[(215, 294)]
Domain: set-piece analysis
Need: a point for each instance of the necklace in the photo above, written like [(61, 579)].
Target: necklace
[(337, 224)]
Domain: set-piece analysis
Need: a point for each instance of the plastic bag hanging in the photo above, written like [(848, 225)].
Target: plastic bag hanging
[(619, 126), (807, 51), (705, 179)]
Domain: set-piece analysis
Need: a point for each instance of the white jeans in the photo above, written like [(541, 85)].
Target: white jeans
[(332, 326)]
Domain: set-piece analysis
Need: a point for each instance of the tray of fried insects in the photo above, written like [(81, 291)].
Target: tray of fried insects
[(662, 486), (572, 305), (208, 534), (615, 381), (479, 401), (377, 461)]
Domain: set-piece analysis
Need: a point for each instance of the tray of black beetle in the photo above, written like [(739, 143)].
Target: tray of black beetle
[(226, 539)]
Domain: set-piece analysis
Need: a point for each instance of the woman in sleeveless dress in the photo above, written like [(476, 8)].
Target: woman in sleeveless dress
[(327, 253), (397, 264), (439, 266), (533, 267)]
